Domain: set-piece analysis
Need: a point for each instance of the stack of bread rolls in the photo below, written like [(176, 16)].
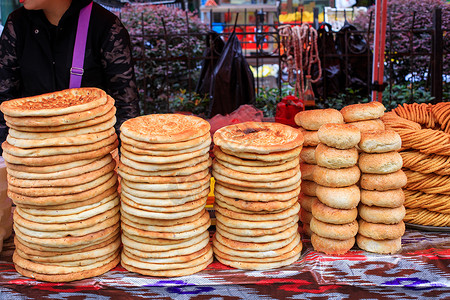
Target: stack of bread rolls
[(381, 209), (61, 178), (257, 183), (334, 224), (364, 116), (310, 122), (164, 166)]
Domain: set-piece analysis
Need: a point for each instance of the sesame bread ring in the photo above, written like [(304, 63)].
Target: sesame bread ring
[(336, 177), (378, 231), (306, 202), (383, 182), (380, 141), (343, 198), (332, 158), (307, 171), (334, 231), (331, 246), (307, 155), (369, 125), (379, 246), (383, 215), (332, 215), (379, 163), (341, 136), (313, 119), (308, 188), (390, 198), (363, 111)]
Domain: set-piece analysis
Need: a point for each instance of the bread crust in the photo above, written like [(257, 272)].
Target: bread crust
[(380, 141), (332, 215), (378, 231), (380, 163), (390, 198), (333, 158), (313, 119), (331, 246), (334, 231), (379, 246), (383, 182), (341, 136), (363, 111), (336, 177), (341, 198), (382, 215)]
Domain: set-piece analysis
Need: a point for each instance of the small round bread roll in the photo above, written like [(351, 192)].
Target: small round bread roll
[(369, 125), (306, 229), (307, 171), (310, 137), (313, 119), (383, 215), (333, 158), (383, 182), (342, 198), (332, 215), (379, 163), (390, 198), (334, 231), (341, 136), (305, 216), (308, 188), (331, 246), (380, 141), (379, 246), (307, 155), (306, 202), (336, 177), (363, 111), (378, 231)]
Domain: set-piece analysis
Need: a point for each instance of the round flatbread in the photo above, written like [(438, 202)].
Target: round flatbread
[(249, 177), (184, 171), (164, 194), (255, 206), (56, 103), (165, 128), (170, 146), (258, 137), (257, 247), (259, 170), (256, 196), (64, 122), (132, 148), (263, 224), (90, 167), (256, 254), (156, 215), (156, 187), (163, 167), (271, 157), (291, 182), (166, 209), (234, 160), (293, 210), (95, 193), (144, 158)]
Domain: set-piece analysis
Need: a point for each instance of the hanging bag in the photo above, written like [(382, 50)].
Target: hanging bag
[(76, 71)]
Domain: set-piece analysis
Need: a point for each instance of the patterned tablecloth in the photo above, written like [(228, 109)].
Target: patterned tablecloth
[(420, 271)]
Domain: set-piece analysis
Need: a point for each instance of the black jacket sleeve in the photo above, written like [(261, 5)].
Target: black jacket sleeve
[(120, 76), (9, 71)]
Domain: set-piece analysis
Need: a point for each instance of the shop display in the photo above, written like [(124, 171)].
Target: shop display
[(381, 210), (61, 178), (164, 166), (334, 223), (425, 151), (310, 122), (257, 175)]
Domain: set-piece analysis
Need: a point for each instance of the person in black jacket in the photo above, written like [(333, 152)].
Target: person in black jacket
[(36, 49)]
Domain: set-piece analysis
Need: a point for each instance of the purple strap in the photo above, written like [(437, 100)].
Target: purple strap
[(76, 71)]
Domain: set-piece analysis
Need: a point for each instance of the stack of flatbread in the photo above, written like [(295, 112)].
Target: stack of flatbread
[(61, 178), (165, 179), (258, 178)]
